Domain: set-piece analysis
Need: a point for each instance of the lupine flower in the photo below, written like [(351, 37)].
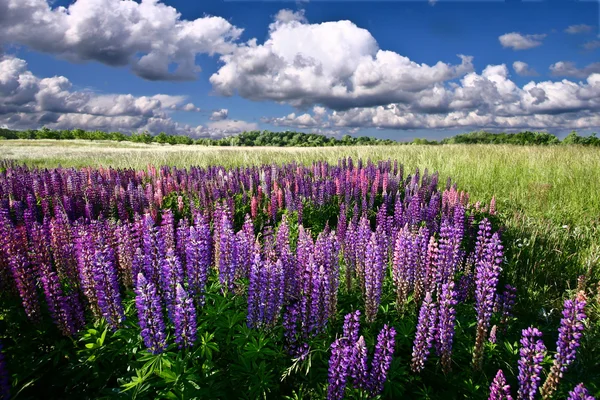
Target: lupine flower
[(185, 319), (507, 302), (228, 256), (374, 273), (4, 377), (150, 315), (351, 326), (171, 275), (426, 328), (486, 280), (382, 359), (580, 393), (500, 390), (107, 286), (339, 364), (493, 334), (197, 259), (569, 337), (359, 370), (532, 354), (445, 328)]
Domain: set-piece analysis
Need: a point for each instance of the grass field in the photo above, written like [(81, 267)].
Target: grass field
[(548, 199)]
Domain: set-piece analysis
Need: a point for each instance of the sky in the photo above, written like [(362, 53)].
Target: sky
[(213, 68)]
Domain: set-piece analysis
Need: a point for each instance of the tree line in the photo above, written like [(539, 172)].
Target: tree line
[(300, 139)]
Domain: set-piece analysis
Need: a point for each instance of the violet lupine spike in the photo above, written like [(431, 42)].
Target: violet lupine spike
[(197, 260), (382, 359), (444, 334), (508, 301), (374, 273), (254, 290), (339, 363), (532, 354), (499, 389), (403, 266), (569, 337), (425, 335), (4, 377), (150, 315), (185, 319), (359, 369), (227, 260), (284, 253), (486, 279), (351, 326), (171, 275), (107, 286), (580, 393)]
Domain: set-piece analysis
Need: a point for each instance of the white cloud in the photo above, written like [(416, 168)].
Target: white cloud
[(591, 45), (149, 36), (517, 41), (487, 100), (522, 68), (336, 64), (219, 114), (568, 68), (230, 127), (581, 28), (27, 101), (286, 16)]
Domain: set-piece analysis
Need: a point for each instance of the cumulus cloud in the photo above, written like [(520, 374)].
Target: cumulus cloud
[(335, 64), (523, 69), (486, 100), (518, 41), (27, 101), (149, 37), (581, 28), (230, 127), (219, 114), (568, 68)]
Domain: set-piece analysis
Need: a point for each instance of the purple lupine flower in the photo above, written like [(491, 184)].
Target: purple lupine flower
[(198, 258), (404, 265), (426, 328), (580, 393), (228, 256), (374, 273), (569, 337), (487, 272), (171, 275), (359, 370), (150, 315), (107, 285), (4, 377), (185, 319), (532, 354), (351, 326), (339, 365), (382, 359), (284, 253), (500, 390), (507, 303), (444, 334)]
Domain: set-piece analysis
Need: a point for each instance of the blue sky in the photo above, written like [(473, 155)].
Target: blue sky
[(384, 68)]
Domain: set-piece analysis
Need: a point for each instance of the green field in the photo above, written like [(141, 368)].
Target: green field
[(548, 200)]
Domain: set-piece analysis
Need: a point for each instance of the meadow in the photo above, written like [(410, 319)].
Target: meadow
[(547, 211)]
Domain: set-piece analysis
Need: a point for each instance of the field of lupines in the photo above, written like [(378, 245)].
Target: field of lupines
[(354, 280)]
